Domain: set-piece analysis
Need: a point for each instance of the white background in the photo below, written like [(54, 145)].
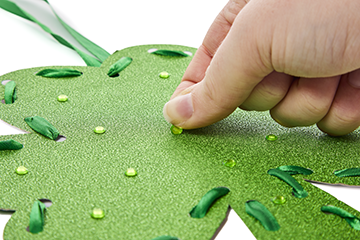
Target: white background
[(115, 25)]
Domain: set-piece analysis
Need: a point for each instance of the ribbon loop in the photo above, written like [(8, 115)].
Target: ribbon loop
[(170, 53), (200, 210), (352, 220), (36, 223), (119, 66), (262, 214), (10, 145), (59, 73), (10, 92), (42, 126), (298, 190), (349, 172), (292, 170)]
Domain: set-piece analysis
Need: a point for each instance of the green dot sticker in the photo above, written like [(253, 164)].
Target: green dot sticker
[(130, 172), (176, 130), (279, 200), (97, 213), (21, 170), (271, 137), (99, 130), (62, 98), (164, 75), (229, 163)]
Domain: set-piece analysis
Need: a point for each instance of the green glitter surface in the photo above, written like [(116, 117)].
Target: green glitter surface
[(86, 171)]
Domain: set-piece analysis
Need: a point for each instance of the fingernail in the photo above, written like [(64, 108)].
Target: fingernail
[(354, 79), (179, 109), (282, 124)]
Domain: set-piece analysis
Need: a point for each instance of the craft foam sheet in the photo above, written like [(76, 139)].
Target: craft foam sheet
[(86, 171)]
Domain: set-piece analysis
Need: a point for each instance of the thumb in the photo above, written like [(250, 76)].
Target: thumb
[(236, 68)]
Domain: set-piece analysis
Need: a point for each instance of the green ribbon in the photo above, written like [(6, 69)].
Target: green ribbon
[(90, 46), (352, 220), (165, 238), (36, 223), (298, 190), (59, 73), (119, 66), (10, 92), (10, 145), (349, 172), (170, 53), (292, 170), (42, 126), (262, 214), (200, 210), (96, 50)]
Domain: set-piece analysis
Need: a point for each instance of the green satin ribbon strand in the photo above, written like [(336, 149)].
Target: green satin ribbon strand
[(10, 145), (10, 92), (292, 170), (298, 190), (119, 66), (165, 238), (352, 220), (36, 223), (349, 172), (97, 51), (59, 73), (170, 53), (262, 214), (42, 126), (13, 8), (200, 210)]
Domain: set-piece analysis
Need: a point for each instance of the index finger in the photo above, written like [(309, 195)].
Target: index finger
[(213, 39)]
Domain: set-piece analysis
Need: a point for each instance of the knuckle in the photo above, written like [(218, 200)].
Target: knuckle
[(313, 106)]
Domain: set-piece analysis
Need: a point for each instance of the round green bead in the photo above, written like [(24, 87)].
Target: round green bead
[(21, 170), (62, 98), (176, 130), (99, 130), (229, 163), (98, 213), (130, 172), (271, 137), (164, 75), (279, 200)]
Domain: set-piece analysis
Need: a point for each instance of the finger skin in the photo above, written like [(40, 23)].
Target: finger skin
[(307, 102), (309, 39), (268, 93), (344, 114), (213, 39)]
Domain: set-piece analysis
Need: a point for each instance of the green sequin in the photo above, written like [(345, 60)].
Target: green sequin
[(99, 130), (130, 172), (22, 170), (279, 200), (271, 137), (229, 163), (176, 130), (62, 98), (164, 75), (97, 213)]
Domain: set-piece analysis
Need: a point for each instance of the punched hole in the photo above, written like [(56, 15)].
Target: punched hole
[(188, 53), (152, 50), (46, 201), (5, 82), (60, 138), (116, 75)]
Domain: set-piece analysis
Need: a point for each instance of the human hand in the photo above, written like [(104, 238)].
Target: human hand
[(251, 54)]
